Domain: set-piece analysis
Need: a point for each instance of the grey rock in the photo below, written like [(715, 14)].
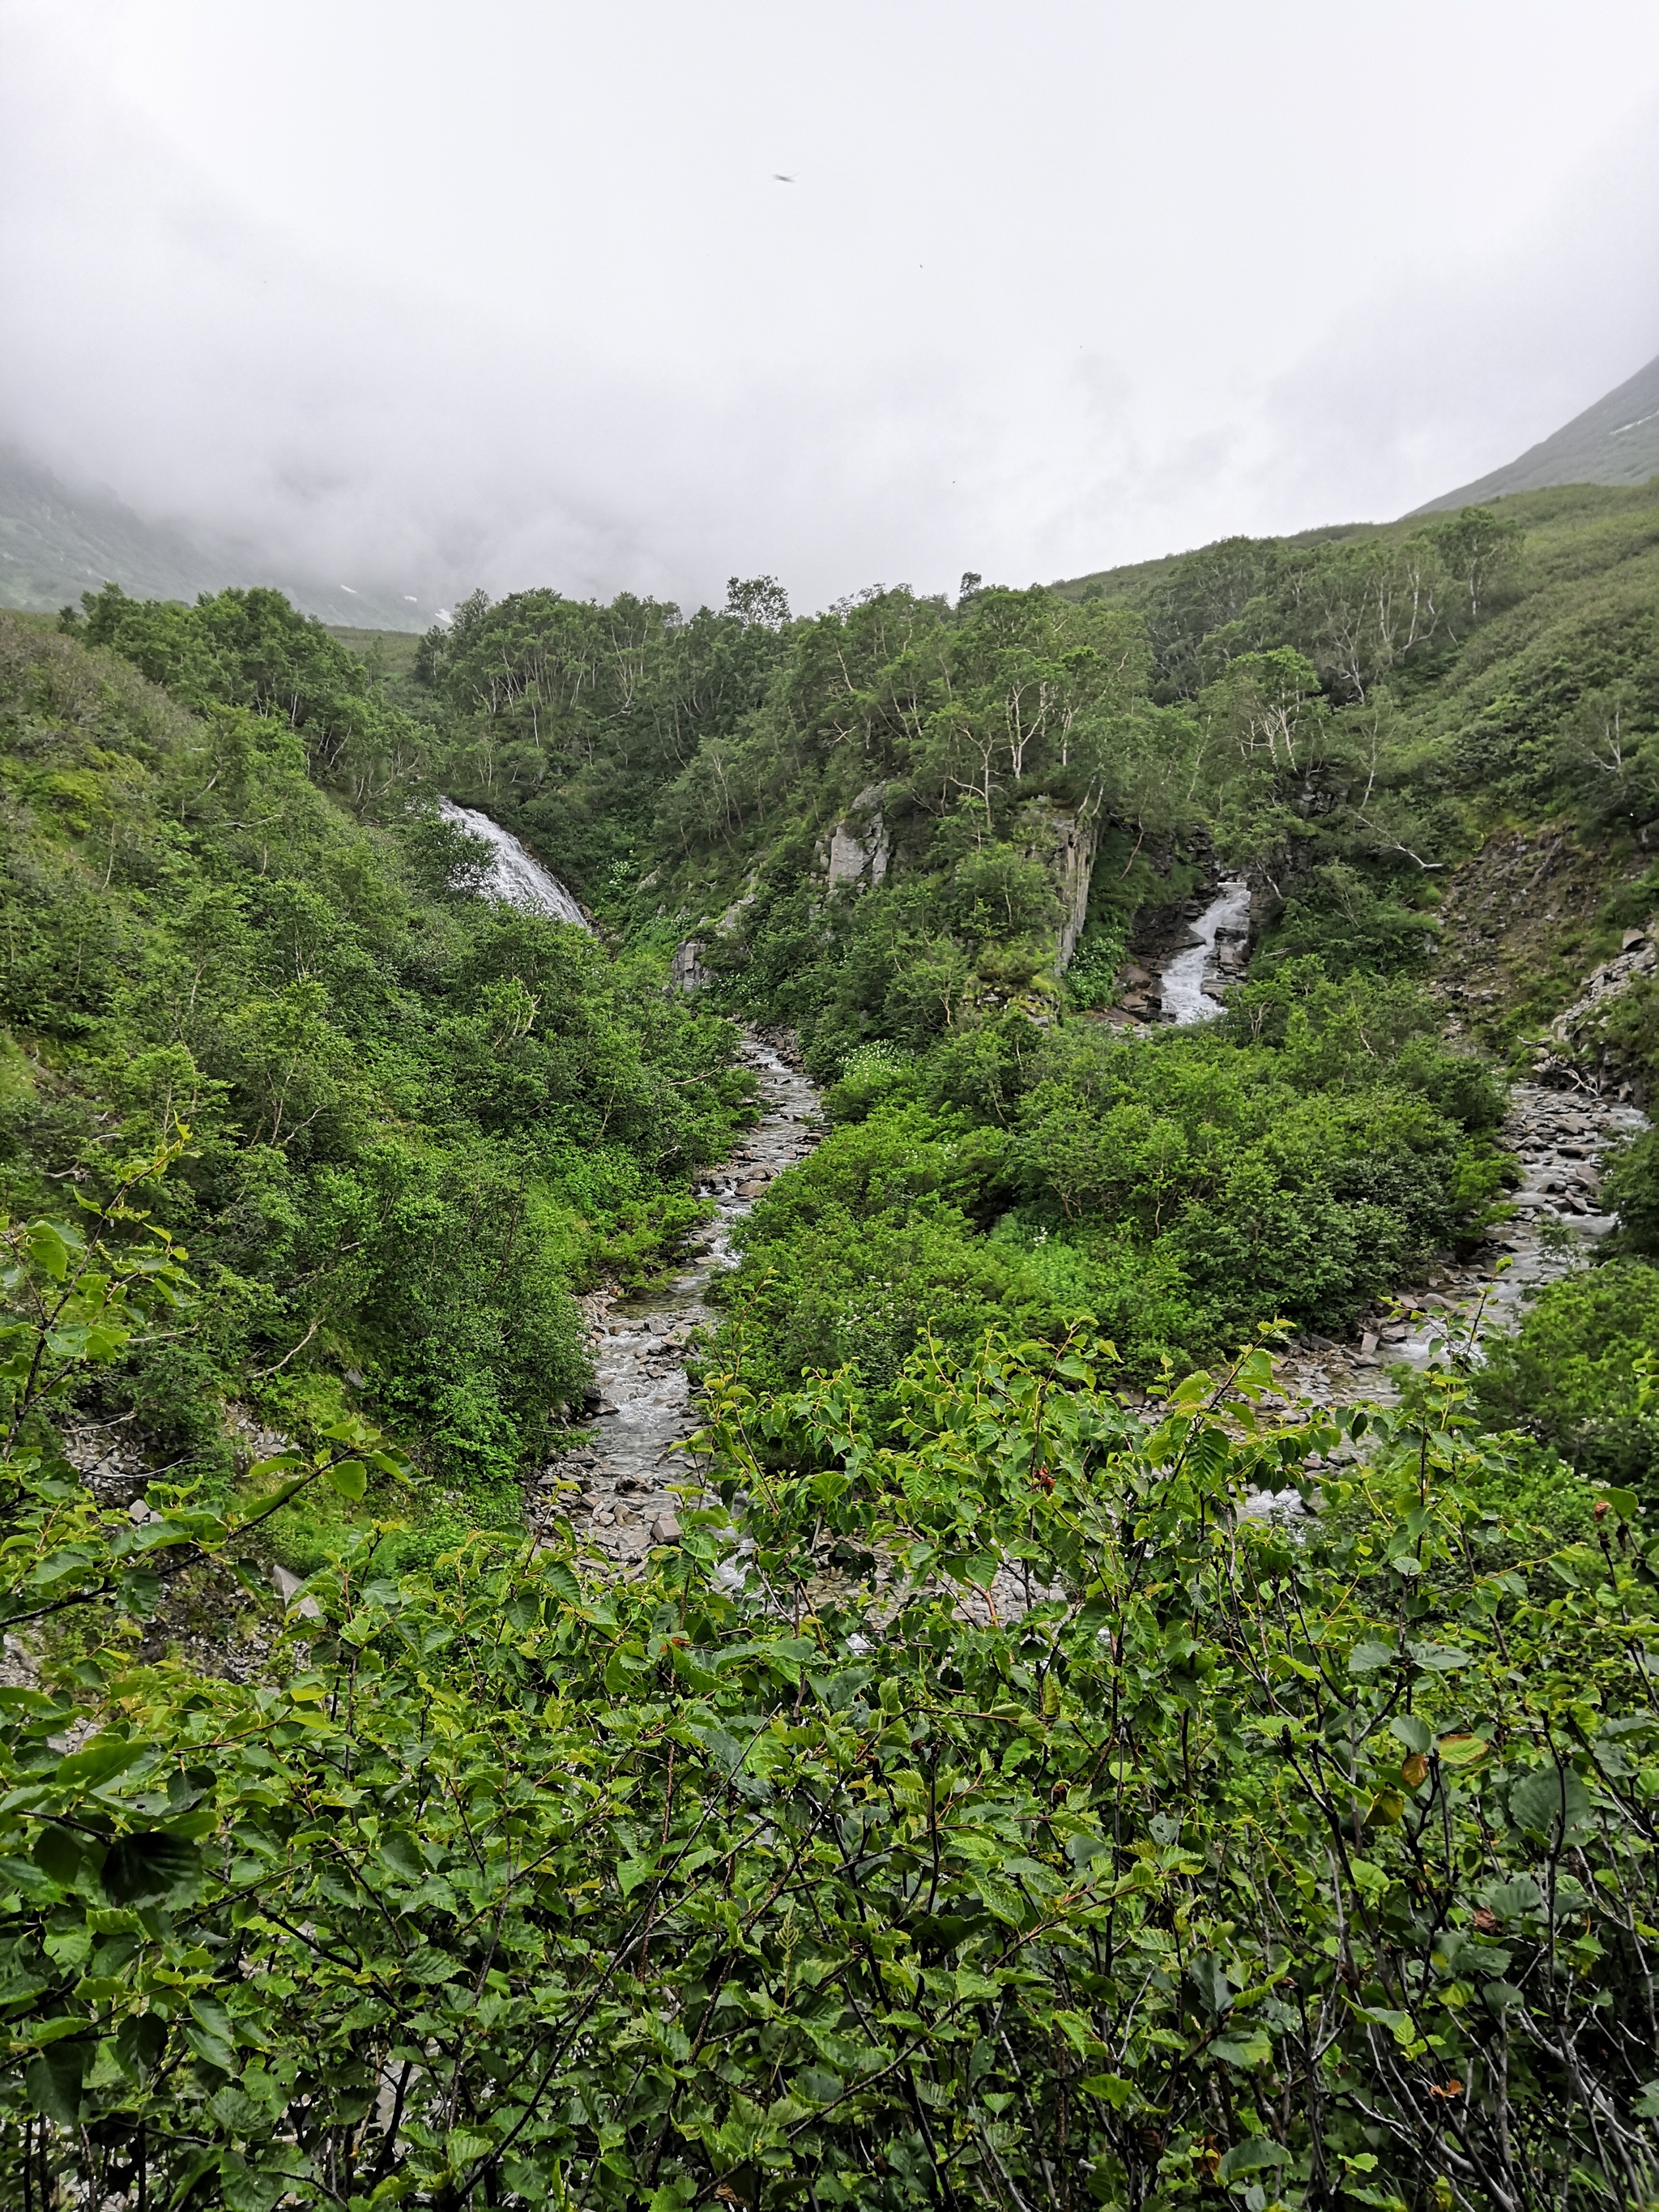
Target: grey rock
[(288, 1587)]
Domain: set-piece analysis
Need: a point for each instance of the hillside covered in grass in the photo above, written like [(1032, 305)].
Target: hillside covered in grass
[(928, 835)]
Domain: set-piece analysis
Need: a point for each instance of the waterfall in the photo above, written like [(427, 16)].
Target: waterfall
[(516, 876), (1184, 995)]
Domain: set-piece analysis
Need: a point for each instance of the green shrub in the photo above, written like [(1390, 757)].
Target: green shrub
[(1106, 1847), (1578, 1374)]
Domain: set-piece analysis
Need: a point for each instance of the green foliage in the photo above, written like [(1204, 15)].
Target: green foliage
[(1579, 1374), (1179, 1187), (418, 1121), (1351, 922), (978, 1806), (251, 649), (1630, 1188), (1355, 606), (1117, 1850), (1091, 975), (581, 723)]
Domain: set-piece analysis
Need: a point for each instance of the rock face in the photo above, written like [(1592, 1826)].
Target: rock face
[(688, 972), (859, 847), (1067, 847), (1522, 906), (859, 852), (1579, 1044)]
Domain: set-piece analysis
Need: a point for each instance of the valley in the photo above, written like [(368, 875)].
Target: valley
[(1111, 1710)]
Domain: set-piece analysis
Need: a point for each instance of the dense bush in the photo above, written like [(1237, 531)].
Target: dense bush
[(1112, 1849), (1179, 1189), (418, 1121), (1580, 1373)]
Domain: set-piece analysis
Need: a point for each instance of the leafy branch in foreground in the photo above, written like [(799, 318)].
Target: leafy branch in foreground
[(75, 1296), (1308, 1864)]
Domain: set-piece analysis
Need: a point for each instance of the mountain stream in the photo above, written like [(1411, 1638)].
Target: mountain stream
[(1559, 1139), (1185, 987), (628, 1474)]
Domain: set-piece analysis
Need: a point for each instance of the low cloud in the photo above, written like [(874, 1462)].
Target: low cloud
[(239, 373)]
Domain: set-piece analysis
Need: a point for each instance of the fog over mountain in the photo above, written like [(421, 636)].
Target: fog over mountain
[(403, 302), (1616, 441), (58, 542)]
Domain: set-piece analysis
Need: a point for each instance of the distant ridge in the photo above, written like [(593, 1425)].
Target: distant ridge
[(1616, 441), (56, 543)]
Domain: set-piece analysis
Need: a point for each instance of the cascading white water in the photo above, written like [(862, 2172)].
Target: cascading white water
[(516, 876), (1184, 993)]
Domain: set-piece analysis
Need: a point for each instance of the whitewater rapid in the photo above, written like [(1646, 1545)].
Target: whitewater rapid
[(1185, 983), (517, 876)]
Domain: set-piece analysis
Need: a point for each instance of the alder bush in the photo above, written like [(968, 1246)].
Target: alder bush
[(990, 1811)]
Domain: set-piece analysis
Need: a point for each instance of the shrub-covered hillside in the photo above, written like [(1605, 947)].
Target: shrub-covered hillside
[(1433, 746), (417, 1122), (1349, 715), (979, 1801)]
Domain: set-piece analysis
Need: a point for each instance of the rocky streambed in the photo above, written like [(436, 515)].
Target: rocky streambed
[(1560, 1138), (1561, 1141), (629, 1473), (628, 1476)]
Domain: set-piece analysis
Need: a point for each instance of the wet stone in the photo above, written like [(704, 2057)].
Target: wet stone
[(639, 1345), (1559, 1148)]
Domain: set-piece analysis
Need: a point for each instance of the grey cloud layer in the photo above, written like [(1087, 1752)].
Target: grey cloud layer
[(1004, 320)]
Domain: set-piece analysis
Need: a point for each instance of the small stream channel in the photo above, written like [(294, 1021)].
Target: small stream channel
[(1559, 1141), (628, 1473)]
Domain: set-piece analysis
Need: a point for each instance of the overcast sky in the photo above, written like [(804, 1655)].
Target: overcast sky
[(430, 295)]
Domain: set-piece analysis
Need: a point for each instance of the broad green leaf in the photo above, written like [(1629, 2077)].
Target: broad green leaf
[(97, 1761), (1255, 2155), (48, 1249), (1250, 2048), (632, 1873), (144, 1868), (1461, 1751), (348, 1477), (52, 2079), (1538, 1801)]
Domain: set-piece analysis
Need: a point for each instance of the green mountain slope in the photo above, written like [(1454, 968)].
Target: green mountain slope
[(934, 838), (1616, 441), (229, 908), (57, 543), (993, 1787)]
